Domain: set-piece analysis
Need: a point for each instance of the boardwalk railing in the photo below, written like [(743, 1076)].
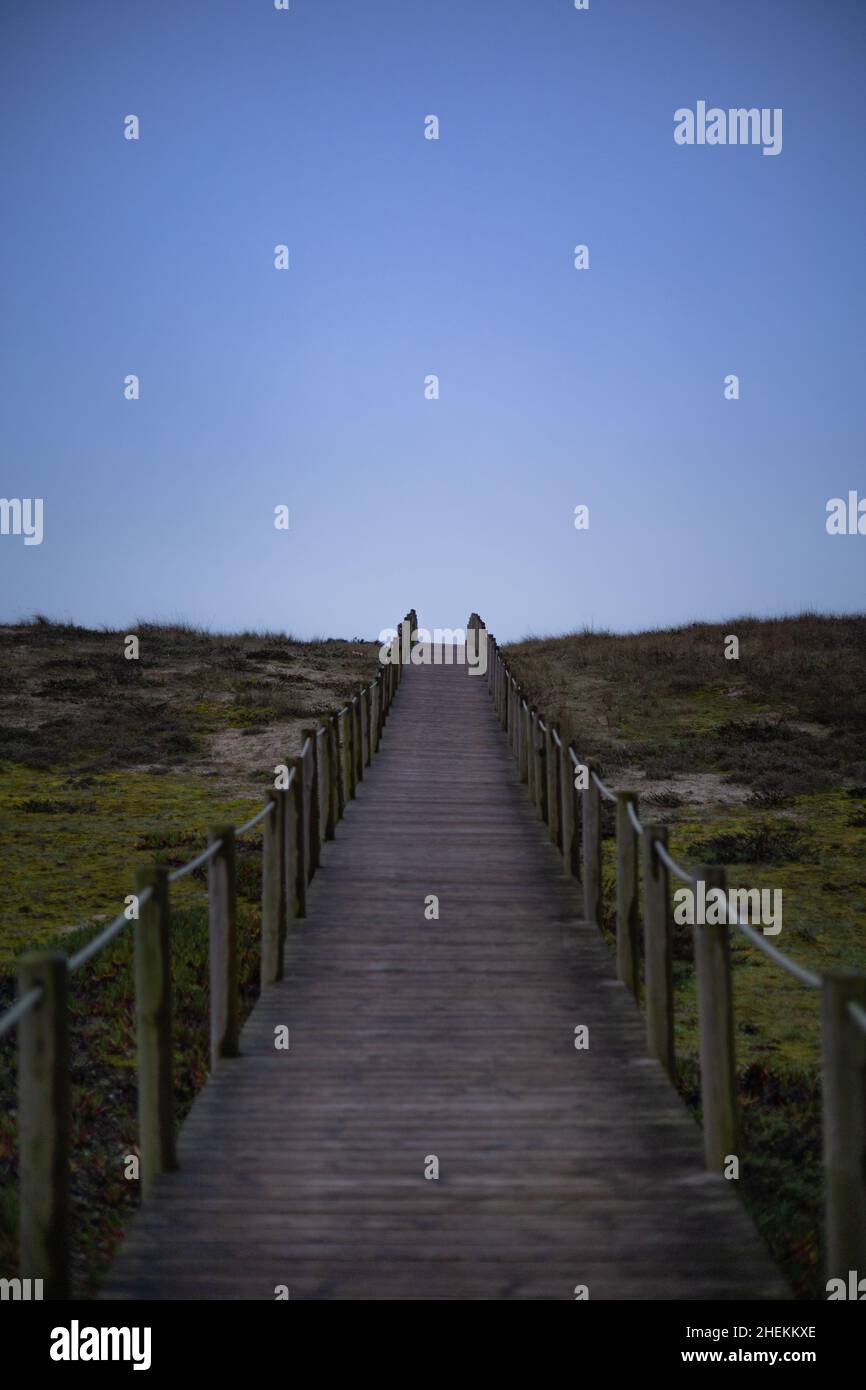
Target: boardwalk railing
[(567, 792), (309, 797)]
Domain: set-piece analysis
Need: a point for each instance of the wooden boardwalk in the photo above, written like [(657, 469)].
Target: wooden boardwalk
[(453, 1038)]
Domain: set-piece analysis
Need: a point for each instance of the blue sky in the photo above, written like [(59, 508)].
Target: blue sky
[(410, 257)]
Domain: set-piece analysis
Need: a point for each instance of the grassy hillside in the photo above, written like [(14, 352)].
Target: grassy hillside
[(107, 763), (758, 764)]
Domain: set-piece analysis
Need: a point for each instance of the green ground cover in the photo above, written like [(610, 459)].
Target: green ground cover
[(782, 731)]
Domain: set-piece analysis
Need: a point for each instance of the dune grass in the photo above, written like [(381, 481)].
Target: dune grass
[(759, 764), (106, 764)]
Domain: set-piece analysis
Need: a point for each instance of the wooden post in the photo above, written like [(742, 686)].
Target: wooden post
[(383, 711), (358, 737), (541, 770), (153, 1023), (591, 818), (44, 1124), (301, 812), (532, 754), (273, 890), (476, 650), (339, 769), (290, 855), (658, 951), (374, 718), (347, 755), (333, 777), (222, 913), (551, 758), (568, 824), (323, 785), (716, 1029), (538, 773), (311, 793), (368, 706), (491, 663), (364, 715), (522, 727), (844, 1105), (314, 775), (627, 901), (354, 739), (548, 749)]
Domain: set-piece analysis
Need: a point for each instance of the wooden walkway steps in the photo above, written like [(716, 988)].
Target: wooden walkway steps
[(455, 1038)]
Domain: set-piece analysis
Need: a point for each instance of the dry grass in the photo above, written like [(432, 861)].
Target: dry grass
[(105, 764), (758, 764), (70, 699), (788, 716)]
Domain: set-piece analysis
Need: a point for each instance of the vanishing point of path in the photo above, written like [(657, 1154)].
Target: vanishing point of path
[(455, 1038)]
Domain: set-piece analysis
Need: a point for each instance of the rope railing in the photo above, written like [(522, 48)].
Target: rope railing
[(858, 1015), (22, 1006), (96, 944), (570, 805), (799, 972), (661, 852), (253, 821), (365, 690), (603, 788), (634, 818), (190, 868), (299, 815)]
